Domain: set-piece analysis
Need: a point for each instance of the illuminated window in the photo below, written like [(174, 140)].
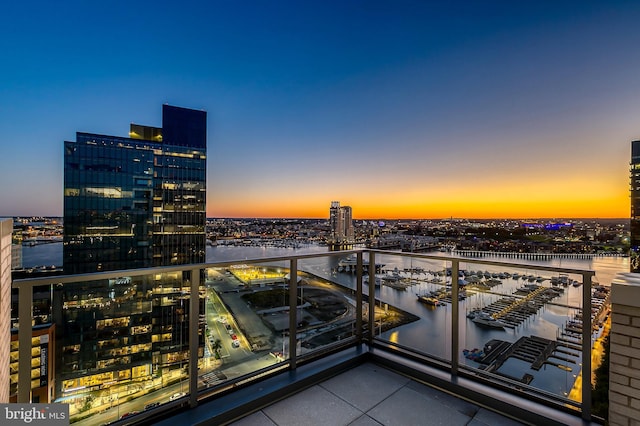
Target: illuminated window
[(103, 192)]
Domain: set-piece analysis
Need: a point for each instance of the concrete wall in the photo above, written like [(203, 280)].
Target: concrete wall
[(624, 379), (6, 229)]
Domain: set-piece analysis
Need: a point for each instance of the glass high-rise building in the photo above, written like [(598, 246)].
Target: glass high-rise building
[(635, 207), (137, 201), (130, 202)]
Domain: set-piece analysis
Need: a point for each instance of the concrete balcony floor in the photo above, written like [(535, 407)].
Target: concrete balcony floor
[(369, 395)]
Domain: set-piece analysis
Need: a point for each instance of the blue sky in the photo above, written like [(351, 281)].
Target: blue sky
[(399, 109)]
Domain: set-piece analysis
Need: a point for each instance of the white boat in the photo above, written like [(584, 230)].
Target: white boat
[(484, 319), (474, 313), (350, 263), (378, 281)]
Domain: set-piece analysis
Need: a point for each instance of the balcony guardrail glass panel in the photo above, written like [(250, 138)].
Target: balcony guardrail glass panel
[(238, 340), (327, 302), (411, 309), (523, 326), (122, 343), (519, 325)]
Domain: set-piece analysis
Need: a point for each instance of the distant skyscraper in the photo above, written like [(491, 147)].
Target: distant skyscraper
[(139, 201), (341, 222), (635, 207)]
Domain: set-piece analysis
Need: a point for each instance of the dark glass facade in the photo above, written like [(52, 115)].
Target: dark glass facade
[(135, 203), (130, 202), (108, 204), (184, 127), (635, 207)]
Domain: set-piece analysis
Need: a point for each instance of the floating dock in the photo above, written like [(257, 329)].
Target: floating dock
[(535, 350), (513, 310)]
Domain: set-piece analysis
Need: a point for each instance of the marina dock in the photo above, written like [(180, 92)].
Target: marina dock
[(514, 310), (535, 350)]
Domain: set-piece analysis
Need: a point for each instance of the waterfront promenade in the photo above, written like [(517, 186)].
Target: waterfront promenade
[(531, 256)]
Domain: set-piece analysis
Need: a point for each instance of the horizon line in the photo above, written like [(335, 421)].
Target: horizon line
[(376, 218)]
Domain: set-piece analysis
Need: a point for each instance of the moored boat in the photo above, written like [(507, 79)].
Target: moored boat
[(473, 354), (472, 314), (486, 320), (428, 300)]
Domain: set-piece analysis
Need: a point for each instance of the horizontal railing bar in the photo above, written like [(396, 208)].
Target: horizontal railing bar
[(64, 279), (485, 262), (93, 276)]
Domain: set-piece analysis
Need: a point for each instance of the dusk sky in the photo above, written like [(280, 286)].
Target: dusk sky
[(400, 109)]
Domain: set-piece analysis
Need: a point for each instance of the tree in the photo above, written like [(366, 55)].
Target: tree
[(600, 390), (217, 345)]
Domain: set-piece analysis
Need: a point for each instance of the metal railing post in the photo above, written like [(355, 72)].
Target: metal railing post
[(25, 315), (455, 317), (359, 296), (293, 312), (372, 296), (194, 316), (586, 346)]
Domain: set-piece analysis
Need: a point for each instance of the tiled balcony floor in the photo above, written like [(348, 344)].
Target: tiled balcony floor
[(371, 395)]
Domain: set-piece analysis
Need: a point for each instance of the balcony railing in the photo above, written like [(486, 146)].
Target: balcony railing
[(124, 339)]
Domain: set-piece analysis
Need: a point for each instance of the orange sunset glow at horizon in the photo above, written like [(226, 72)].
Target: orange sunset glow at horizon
[(614, 206)]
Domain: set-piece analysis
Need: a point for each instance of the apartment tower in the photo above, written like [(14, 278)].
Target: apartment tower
[(341, 223)]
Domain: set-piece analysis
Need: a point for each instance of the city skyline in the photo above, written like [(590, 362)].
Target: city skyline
[(404, 110)]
